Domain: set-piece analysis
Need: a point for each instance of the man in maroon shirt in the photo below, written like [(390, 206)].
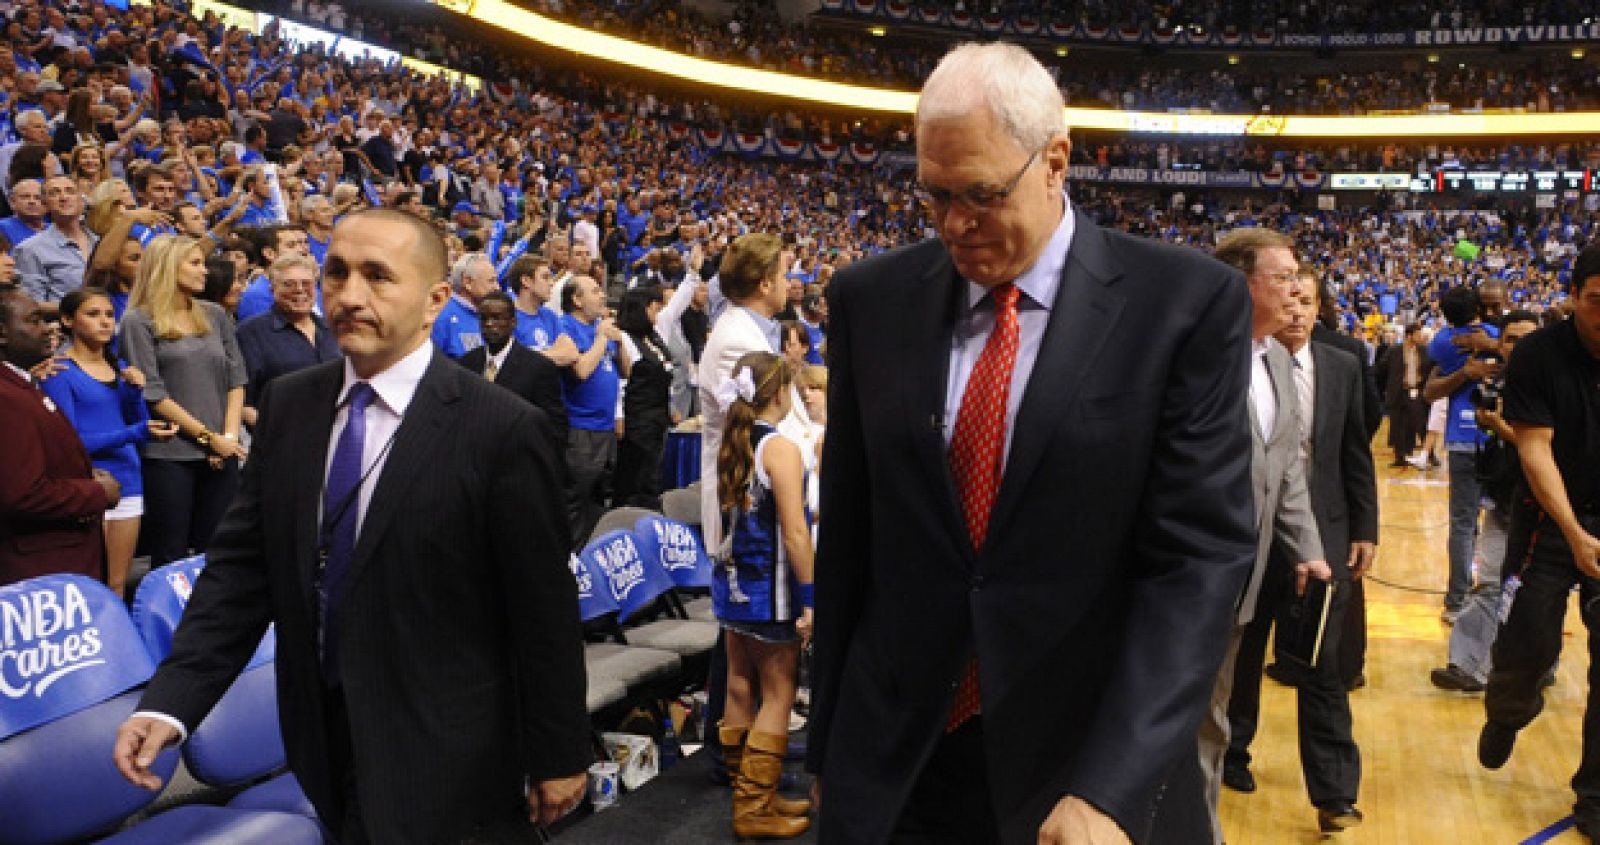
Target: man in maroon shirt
[(51, 498)]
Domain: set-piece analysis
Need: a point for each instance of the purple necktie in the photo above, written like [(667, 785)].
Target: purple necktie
[(340, 509)]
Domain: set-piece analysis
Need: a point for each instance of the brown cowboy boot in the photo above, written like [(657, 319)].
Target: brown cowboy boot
[(754, 816), (733, 752)]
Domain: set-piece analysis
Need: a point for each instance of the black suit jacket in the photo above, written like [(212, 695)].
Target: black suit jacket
[(1394, 385), (1123, 531), (533, 377), (461, 651), (1371, 400), (1340, 476)]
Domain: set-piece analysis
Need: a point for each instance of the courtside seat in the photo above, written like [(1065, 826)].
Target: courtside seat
[(239, 739), (603, 692), (684, 637), (632, 666), (682, 505), (701, 608), (196, 825), (282, 794), (59, 783)]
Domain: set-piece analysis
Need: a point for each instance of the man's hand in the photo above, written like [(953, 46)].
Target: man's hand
[(111, 487), (1585, 550), (1478, 369), (1362, 556), (1476, 340), (1075, 821), (43, 370), (1307, 570), (138, 741), (550, 800)]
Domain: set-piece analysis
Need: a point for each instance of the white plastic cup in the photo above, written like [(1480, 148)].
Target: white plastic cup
[(603, 785)]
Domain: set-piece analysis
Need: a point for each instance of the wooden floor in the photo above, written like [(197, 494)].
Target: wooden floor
[(1421, 782)]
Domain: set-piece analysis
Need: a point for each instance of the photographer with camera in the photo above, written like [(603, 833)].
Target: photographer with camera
[(1458, 369), (1553, 404), (1503, 542)]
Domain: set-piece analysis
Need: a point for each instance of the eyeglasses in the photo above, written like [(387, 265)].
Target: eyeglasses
[(1282, 278), (979, 198)]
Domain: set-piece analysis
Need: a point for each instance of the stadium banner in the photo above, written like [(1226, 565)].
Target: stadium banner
[(1259, 38), (1159, 178), (1369, 181)]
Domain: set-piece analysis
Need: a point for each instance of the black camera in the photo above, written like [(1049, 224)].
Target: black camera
[(1485, 395)]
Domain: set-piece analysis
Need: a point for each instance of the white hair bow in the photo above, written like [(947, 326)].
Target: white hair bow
[(737, 386)]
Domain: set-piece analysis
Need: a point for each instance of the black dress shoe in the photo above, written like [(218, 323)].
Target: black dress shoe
[(1281, 673), (1453, 677), (1238, 778), (1335, 816), (1588, 823), (1495, 744)]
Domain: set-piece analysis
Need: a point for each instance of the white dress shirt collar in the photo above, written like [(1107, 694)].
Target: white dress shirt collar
[(499, 358), (395, 386)]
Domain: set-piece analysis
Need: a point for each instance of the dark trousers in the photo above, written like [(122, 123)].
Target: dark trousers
[(1408, 422), (1352, 651), (183, 502), (1530, 642), (591, 455), (1328, 753), (638, 476), (950, 801)]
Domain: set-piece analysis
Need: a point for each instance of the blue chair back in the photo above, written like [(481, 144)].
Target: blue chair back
[(158, 606), (674, 547), (594, 601), (66, 643), (68, 656), (633, 581), (239, 740)]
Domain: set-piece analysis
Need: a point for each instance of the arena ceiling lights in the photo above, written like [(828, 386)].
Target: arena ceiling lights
[(610, 48)]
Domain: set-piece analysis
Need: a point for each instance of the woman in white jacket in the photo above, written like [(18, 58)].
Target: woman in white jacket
[(751, 277)]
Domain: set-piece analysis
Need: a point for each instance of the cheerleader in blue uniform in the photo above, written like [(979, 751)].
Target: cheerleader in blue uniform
[(762, 590)]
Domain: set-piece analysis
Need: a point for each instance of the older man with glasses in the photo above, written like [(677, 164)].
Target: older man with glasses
[(1036, 487), (289, 337)]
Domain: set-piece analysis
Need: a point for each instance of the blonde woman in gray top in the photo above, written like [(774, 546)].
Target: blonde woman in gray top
[(194, 377)]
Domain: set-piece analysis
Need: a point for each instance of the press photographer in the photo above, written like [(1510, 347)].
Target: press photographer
[(1507, 521), (1552, 402)]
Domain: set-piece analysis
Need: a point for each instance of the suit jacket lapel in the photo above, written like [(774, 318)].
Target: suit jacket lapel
[(420, 434), (1323, 430), (1281, 368), (926, 344), (308, 450), (1085, 312)]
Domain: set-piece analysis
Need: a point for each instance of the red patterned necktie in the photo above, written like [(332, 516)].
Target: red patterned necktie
[(977, 451)]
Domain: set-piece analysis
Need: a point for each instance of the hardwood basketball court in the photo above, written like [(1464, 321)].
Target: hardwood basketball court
[(1421, 782)]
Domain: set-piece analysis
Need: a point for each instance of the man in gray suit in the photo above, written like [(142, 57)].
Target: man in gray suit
[(1286, 528), (1344, 495)]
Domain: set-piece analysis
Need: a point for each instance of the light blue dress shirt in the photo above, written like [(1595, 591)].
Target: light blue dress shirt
[(1038, 284)]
